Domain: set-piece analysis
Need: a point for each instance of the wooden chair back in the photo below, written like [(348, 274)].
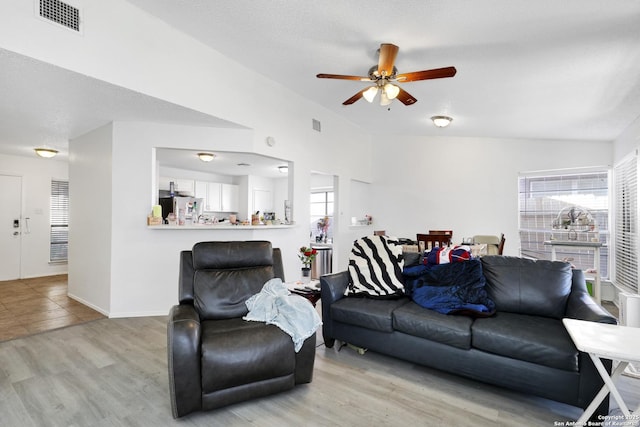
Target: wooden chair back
[(426, 242), (501, 244), (449, 232)]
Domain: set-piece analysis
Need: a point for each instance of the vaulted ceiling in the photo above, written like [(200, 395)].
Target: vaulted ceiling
[(529, 69), (546, 69)]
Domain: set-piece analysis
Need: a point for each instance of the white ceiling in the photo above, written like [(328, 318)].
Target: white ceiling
[(224, 163), (527, 69), (544, 69)]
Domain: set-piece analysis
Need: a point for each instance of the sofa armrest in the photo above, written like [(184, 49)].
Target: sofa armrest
[(332, 288), (581, 306), (183, 353)]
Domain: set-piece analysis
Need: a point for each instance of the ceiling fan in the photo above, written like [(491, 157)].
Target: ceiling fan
[(385, 74)]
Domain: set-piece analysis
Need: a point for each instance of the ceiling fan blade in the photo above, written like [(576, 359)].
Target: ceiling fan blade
[(342, 77), (437, 73), (388, 53), (405, 97), (355, 97)]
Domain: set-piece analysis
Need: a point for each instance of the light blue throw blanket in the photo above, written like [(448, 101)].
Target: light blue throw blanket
[(275, 305)]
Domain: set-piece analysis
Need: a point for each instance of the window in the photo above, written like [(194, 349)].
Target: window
[(541, 199), (59, 219), (625, 256), (321, 210)]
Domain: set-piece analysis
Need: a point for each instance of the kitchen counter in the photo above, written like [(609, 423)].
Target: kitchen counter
[(315, 245), (218, 227)]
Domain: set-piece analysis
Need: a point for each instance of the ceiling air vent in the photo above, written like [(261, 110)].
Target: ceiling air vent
[(316, 125), (61, 13)]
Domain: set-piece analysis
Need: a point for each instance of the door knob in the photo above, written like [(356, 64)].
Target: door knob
[(15, 233)]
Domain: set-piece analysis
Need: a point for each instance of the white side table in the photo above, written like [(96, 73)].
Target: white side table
[(595, 246), (615, 342)]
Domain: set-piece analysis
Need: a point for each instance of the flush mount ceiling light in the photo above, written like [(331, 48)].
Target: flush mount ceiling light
[(206, 157), (283, 169), (441, 121), (47, 153)]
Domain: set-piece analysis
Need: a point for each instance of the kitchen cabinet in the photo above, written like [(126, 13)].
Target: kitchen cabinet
[(185, 187), (217, 197), (229, 197)]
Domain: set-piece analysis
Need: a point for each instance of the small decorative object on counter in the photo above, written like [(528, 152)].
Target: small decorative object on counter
[(194, 213), (287, 212), (171, 219), (155, 218), (255, 218)]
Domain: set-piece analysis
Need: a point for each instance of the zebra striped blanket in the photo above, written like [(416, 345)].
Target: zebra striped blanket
[(375, 267)]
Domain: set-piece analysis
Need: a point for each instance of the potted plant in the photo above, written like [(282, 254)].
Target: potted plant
[(306, 255)]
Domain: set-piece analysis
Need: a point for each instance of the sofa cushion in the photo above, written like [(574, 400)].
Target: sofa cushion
[(366, 312), (421, 322), (536, 339), (526, 286), (375, 267)]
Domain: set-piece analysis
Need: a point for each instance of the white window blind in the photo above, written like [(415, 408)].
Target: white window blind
[(542, 197), (625, 182), (59, 219)]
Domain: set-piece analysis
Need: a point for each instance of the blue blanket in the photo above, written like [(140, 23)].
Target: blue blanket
[(450, 288)]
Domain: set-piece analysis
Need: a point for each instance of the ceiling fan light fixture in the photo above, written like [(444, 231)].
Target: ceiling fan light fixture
[(391, 90), (47, 153), (441, 121), (206, 157), (370, 93), (384, 99)]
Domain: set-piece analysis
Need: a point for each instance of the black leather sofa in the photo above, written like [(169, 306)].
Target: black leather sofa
[(523, 346), (215, 358)]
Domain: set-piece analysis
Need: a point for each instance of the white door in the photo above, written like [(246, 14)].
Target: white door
[(10, 227)]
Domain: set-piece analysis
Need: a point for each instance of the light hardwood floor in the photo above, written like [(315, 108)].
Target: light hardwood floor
[(113, 372)]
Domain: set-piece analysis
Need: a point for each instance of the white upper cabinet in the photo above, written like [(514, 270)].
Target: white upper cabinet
[(229, 197), (217, 197)]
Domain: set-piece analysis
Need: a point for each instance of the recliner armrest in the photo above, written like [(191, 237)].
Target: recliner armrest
[(183, 351), (581, 306)]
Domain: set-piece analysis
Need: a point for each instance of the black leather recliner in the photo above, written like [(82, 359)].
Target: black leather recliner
[(215, 357)]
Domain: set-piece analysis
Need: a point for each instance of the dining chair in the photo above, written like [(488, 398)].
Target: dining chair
[(426, 242), (495, 244), (449, 232)]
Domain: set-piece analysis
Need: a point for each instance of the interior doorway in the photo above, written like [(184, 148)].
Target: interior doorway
[(10, 227), (323, 219)]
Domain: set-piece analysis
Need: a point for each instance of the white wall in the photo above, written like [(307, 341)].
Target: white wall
[(36, 174), (91, 207), (468, 185), (143, 276), (144, 54), (628, 142)]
